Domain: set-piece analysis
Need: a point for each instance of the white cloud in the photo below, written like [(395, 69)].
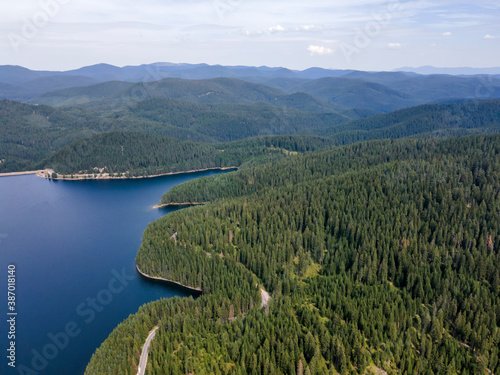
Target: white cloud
[(296, 31), (394, 45), (253, 33), (309, 28), (276, 29), (260, 32), (320, 50)]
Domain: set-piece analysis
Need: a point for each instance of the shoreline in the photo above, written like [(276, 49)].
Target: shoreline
[(189, 288), (185, 204), (84, 177), (12, 174)]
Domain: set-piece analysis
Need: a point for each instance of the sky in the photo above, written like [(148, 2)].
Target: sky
[(355, 34)]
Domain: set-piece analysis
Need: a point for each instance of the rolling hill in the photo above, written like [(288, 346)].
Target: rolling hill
[(219, 90), (83, 95), (355, 93), (380, 92), (140, 154), (29, 134), (426, 120)]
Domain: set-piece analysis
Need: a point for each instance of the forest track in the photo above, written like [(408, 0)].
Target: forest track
[(145, 352)]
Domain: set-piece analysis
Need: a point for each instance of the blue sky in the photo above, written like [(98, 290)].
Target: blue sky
[(357, 34)]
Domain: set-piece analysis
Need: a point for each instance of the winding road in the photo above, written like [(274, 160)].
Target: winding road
[(145, 351)]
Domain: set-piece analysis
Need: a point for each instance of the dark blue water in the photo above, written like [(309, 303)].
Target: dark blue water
[(74, 246)]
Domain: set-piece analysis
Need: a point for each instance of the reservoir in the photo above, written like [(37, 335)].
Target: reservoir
[(73, 246)]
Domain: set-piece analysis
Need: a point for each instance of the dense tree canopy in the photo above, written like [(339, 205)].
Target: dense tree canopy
[(38, 136), (377, 255), (138, 154)]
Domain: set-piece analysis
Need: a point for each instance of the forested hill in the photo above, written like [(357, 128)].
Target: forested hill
[(218, 90), (34, 137), (31, 134), (430, 120), (139, 154), (357, 93), (249, 180), (407, 79), (28, 134), (136, 154), (382, 255)]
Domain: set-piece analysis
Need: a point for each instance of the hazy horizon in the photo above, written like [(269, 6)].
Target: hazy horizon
[(427, 69)]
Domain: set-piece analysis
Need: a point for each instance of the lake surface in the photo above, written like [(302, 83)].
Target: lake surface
[(74, 245)]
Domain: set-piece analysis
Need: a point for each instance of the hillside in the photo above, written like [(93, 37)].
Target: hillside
[(219, 90), (380, 92), (421, 89), (137, 154), (349, 88), (427, 120), (305, 102), (24, 84), (82, 95), (380, 256), (31, 134), (227, 122), (28, 134), (355, 93), (432, 88)]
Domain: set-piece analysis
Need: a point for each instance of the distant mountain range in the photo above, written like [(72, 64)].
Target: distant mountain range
[(451, 71), (22, 84), (43, 112), (18, 83), (375, 92), (154, 72)]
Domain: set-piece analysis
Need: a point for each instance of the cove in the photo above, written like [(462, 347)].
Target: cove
[(74, 246)]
